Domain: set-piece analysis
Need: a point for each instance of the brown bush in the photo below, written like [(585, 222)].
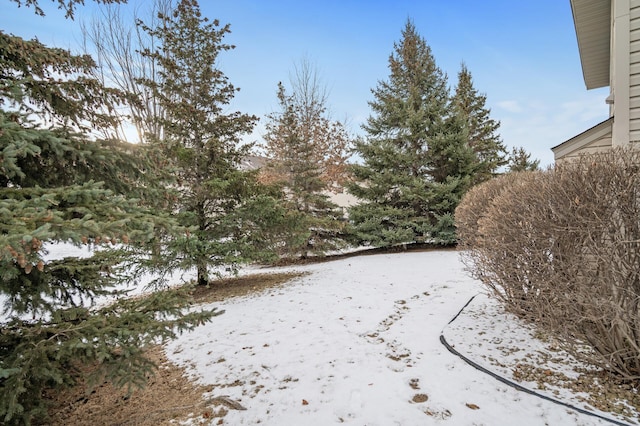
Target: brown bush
[(475, 203), (561, 247)]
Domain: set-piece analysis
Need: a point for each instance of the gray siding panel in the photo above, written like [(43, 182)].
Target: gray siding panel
[(634, 71), (604, 142), (601, 145), (635, 80), (634, 114), (634, 20), (597, 138), (634, 12)]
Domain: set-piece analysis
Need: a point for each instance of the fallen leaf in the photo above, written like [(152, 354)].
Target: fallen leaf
[(420, 397), (305, 402), (472, 406)]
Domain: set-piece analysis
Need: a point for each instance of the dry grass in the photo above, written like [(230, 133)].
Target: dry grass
[(170, 394)]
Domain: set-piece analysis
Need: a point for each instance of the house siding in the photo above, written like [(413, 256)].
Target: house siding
[(596, 139), (621, 20), (602, 144), (634, 70)]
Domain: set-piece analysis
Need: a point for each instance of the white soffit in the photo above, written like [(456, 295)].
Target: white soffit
[(592, 21)]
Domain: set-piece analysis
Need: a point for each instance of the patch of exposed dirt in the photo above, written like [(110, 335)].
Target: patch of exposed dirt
[(170, 396), (227, 288), (398, 248)]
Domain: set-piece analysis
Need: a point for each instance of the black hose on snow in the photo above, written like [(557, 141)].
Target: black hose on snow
[(516, 385)]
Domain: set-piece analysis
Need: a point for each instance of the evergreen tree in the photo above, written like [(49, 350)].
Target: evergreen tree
[(482, 130), (416, 163), (520, 161), (307, 154), (452, 167), (231, 216), (58, 185)]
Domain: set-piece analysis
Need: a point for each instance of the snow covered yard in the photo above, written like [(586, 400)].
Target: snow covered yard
[(357, 341)]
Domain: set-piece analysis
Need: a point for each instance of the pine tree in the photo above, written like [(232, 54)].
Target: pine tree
[(482, 130), (416, 163), (59, 185), (520, 161), (231, 217), (452, 166), (307, 154)]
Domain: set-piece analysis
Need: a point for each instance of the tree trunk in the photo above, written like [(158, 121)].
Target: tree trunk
[(203, 278)]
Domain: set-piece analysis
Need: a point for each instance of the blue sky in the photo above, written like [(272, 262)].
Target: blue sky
[(522, 54)]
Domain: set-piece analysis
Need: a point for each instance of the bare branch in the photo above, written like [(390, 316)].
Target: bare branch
[(117, 40)]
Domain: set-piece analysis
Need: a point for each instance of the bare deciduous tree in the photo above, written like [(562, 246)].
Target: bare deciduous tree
[(116, 39)]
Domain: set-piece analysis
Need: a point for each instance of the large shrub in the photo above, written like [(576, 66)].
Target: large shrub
[(474, 206), (561, 247)]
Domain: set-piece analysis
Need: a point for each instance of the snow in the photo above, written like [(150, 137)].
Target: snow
[(356, 339), (57, 251), (140, 285)]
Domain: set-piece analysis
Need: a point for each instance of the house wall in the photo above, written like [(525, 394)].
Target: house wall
[(622, 129), (634, 71), (596, 139), (599, 145), (620, 70)]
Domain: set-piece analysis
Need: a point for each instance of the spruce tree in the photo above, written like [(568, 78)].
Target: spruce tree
[(233, 219), (416, 163), (520, 161), (452, 166), (57, 185), (307, 154), (482, 130)]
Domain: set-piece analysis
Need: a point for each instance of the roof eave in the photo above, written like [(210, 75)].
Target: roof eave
[(583, 139), (592, 22)]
